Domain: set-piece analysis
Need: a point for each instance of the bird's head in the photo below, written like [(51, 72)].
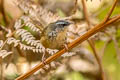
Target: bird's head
[(56, 27), (62, 23)]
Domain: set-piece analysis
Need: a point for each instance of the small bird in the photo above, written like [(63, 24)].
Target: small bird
[(54, 35)]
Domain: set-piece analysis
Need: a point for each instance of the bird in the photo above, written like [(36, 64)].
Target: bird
[(54, 36)]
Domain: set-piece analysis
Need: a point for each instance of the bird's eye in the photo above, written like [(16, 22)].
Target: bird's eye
[(64, 24)]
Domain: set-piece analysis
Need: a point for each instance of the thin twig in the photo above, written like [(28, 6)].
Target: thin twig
[(82, 38), (20, 52), (1, 66), (75, 7), (116, 48), (3, 12), (111, 10), (104, 47), (91, 42), (85, 11), (3, 44), (98, 59), (10, 58), (3, 28)]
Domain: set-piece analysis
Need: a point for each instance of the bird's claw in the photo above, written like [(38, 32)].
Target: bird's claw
[(43, 59), (66, 47)]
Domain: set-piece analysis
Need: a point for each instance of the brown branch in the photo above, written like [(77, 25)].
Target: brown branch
[(82, 38)]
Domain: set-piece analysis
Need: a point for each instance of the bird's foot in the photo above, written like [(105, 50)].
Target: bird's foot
[(66, 47), (43, 59)]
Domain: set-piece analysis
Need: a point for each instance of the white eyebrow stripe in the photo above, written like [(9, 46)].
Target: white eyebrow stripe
[(60, 23)]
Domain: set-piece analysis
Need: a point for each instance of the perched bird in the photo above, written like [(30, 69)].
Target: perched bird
[(54, 35)]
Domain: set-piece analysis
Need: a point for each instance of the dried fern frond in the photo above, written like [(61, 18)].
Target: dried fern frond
[(18, 24), (53, 51), (47, 16), (13, 41), (25, 35), (50, 67), (36, 12), (6, 30), (37, 49), (32, 27), (30, 39), (26, 21), (74, 31), (25, 47), (4, 53), (46, 72), (18, 43), (25, 18)]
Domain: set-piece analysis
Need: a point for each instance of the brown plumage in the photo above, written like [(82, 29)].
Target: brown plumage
[(54, 35)]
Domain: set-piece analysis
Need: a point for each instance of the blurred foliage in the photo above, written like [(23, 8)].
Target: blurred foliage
[(60, 13), (74, 76), (103, 13), (2, 22), (118, 36), (110, 62), (69, 76), (11, 77)]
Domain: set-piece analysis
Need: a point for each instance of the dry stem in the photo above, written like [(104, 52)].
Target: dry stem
[(91, 42), (111, 10), (104, 47), (1, 66), (3, 12), (75, 7)]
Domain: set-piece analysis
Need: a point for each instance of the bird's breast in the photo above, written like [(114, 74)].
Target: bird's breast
[(54, 42)]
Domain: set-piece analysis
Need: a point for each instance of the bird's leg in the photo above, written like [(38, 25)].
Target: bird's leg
[(66, 47), (43, 58)]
